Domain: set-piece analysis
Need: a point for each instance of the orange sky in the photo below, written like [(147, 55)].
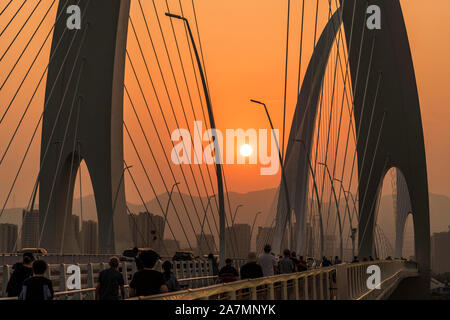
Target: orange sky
[(244, 47)]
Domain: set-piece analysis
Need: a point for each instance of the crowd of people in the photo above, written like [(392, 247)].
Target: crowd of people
[(28, 281), (266, 265)]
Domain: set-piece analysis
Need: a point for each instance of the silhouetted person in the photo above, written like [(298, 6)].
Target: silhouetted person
[(355, 259), (169, 277), (251, 270), (364, 259), (214, 264), (285, 265), (337, 260), (148, 281), (370, 258), (302, 265), (228, 273), (21, 271), (294, 260), (267, 261), (326, 262), (38, 287), (109, 282)]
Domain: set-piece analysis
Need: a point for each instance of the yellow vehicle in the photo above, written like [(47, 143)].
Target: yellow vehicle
[(38, 251)]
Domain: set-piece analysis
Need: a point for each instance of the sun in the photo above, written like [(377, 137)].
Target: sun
[(246, 150)]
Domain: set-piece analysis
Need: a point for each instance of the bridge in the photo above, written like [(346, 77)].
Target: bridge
[(118, 79), (341, 282)]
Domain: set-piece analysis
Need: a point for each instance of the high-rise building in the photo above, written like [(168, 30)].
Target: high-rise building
[(30, 229), (237, 244), (169, 248), (76, 229), (309, 241), (205, 244), (330, 248), (89, 234), (440, 248), (8, 237), (147, 230), (265, 236)]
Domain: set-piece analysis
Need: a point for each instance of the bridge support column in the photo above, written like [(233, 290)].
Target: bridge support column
[(84, 111)]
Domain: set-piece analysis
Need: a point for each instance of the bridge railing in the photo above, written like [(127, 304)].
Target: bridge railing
[(194, 274), (12, 258), (342, 282), (392, 272), (317, 284)]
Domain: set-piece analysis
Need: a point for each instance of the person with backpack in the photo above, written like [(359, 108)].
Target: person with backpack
[(38, 287), (21, 272)]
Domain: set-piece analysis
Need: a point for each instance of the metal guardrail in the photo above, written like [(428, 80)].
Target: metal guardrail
[(342, 282), (89, 293), (192, 274)]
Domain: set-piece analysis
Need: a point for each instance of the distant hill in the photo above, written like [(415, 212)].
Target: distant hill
[(263, 200)]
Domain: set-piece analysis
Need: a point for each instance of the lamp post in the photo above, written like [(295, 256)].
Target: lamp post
[(253, 225), (319, 206), (337, 207), (204, 217), (346, 201), (353, 230), (354, 203), (127, 168), (291, 241), (235, 213), (349, 215), (216, 145), (168, 202)]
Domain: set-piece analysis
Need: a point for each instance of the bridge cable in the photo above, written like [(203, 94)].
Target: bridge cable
[(6, 7), (152, 186), (13, 17), (145, 100), (148, 32), (127, 168), (202, 106), (37, 126), (21, 28), (182, 105)]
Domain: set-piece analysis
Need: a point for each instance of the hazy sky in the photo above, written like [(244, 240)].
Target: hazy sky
[(244, 47)]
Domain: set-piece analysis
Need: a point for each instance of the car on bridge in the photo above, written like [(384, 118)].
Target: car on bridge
[(36, 251), (129, 255), (183, 256)]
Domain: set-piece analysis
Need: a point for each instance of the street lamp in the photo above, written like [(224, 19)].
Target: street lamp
[(126, 168), (291, 241), (235, 213), (204, 217), (346, 200), (349, 215), (319, 206), (216, 144), (253, 225), (337, 207), (354, 203), (169, 201)]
